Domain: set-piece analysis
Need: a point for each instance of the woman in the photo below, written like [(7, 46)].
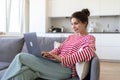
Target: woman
[(76, 48)]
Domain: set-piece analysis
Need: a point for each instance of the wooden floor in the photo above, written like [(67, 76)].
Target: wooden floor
[(109, 70)]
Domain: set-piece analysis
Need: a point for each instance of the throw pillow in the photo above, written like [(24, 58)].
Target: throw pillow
[(81, 68), (56, 44)]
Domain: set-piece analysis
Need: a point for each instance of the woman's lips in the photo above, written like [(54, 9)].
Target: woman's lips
[(75, 29)]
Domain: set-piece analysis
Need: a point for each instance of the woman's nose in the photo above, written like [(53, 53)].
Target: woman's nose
[(73, 26)]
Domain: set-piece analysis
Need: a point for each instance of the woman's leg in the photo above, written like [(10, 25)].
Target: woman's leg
[(26, 75), (17, 71), (45, 68), (37, 66)]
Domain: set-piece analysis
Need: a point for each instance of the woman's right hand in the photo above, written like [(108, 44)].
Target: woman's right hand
[(46, 54)]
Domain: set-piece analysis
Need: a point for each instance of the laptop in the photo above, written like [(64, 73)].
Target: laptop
[(32, 43)]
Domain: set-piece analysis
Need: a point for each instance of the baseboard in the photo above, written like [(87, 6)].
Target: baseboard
[(109, 60)]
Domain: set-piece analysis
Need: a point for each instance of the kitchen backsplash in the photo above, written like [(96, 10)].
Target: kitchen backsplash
[(96, 24), (105, 23)]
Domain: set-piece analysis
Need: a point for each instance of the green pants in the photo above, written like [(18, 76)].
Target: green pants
[(28, 67)]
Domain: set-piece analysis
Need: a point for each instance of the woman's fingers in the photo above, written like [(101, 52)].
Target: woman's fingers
[(45, 54)]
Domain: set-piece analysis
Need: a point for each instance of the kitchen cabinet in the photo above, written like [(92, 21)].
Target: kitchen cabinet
[(64, 8), (98, 44), (112, 40), (110, 46), (109, 7), (110, 53), (92, 5)]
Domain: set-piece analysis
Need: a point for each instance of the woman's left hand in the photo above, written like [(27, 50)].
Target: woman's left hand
[(56, 57)]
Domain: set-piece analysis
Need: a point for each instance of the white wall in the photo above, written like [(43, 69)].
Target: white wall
[(37, 16)]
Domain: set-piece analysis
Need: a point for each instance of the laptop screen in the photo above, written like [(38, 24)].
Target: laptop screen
[(32, 43)]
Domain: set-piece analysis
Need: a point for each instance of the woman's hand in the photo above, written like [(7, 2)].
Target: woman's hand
[(46, 54), (56, 57)]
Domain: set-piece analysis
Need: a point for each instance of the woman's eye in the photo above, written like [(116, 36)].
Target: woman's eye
[(75, 23)]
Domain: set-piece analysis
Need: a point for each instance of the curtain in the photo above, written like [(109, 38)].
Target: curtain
[(16, 19), (2, 16)]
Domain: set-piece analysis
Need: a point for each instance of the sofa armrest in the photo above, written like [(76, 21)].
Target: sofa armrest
[(95, 69), (10, 47)]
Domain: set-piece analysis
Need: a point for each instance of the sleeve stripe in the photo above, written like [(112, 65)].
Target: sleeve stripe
[(89, 55), (85, 55)]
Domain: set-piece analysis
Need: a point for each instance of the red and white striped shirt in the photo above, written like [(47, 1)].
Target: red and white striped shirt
[(75, 49)]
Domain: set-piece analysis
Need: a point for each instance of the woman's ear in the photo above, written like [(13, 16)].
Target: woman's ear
[(85, 23)]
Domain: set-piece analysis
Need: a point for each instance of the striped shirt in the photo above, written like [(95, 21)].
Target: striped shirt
[(75, 49)]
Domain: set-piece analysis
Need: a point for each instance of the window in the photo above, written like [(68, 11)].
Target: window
[(2, 15), (13, 16)]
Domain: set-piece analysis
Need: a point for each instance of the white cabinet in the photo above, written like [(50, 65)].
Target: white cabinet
[(109, 7), (110, 46), (98, 39), (110, 40), (98, 44), (92, 5), (64, 8), (110, 52)]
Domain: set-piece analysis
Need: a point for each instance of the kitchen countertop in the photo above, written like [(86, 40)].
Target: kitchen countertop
[(89, 32)]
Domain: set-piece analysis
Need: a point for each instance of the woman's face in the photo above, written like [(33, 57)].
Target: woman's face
[(77, 25)]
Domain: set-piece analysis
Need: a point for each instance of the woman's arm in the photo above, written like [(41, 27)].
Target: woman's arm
[(57, 50), (85, 53)]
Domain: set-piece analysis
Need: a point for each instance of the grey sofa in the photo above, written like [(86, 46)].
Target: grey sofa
[(10, 46)]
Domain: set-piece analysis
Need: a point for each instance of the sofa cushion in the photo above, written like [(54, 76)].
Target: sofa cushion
[(9, 47), (4, 65), (56, 44)]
